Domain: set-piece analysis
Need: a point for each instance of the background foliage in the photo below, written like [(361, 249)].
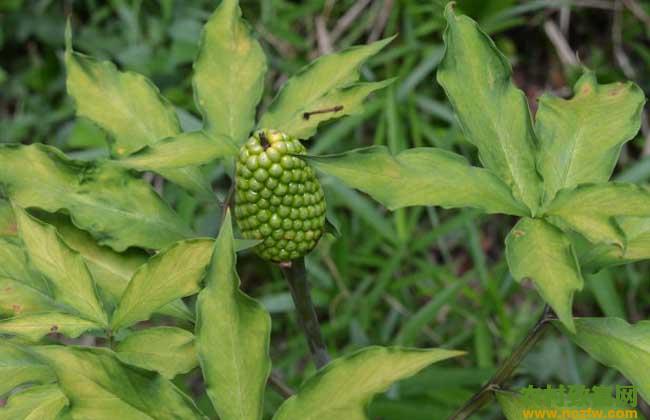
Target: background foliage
[(423, 277)]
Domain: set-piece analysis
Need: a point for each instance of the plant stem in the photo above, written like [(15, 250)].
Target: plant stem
[(505, 371), (281, 388), (296, 275)]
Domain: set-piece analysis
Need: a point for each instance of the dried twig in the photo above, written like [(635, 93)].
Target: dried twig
[(382, 19), (564, 51), (348, 19)]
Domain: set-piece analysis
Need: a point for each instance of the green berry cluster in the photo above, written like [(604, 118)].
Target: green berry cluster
[(278, 197)]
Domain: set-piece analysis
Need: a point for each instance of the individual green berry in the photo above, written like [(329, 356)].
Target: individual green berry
[(278, 199)]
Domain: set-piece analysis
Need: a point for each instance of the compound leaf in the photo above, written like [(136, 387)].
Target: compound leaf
[(592, 209), (420, 176), (72, 283), (617, 344), (540, 252), (173, 273), (118, 209), (232, 337), (43, 402), (228, 74), (581, 138), (492, 112), (326, 82), (99, 386), (129, 107), (166, 350), (111, 270), (344, 388), (33, 327)]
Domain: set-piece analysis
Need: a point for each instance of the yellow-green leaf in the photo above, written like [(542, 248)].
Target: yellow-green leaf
[(324, 83), (187, 149), (129, 107), (71, 282), (167, 350), (100, 387), (343, 389), (420, 176), (492, 112), (118, 209), (592, 209), (33, 327), (43, 402), (228, 74), (173, 273), (617, 344), (19, 367), (232, 337), (581, 138), (540, 252)]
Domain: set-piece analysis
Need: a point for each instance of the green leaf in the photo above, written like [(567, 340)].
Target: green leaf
[(36, 403), (167, 350), (581, 138), (591, 210), (344, 388), (325, 82), (187, 149), (7, 222), (111, 270), (228, 74), (69, 277), (619, 345), (33, 327), (636, 233), (419, 176), (540, 252), (23, 291), (118, 209), (173, 273), (129, 107), (232, 337), (492, 112), (100, 387), (19, 367), (19, 298)]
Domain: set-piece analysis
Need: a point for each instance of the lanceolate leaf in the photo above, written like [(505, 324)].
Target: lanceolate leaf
[(100, 387), (19, 298), (343, 389), (187, 149), (118, 209), (14, 265), (581, 138), (228, 74), (341, 101), (617, 344), (538, 251), (111, 270), (18, 367), (42, 402), (232, 334), (129, 107), (492, 112), (34, 327), (174, 273), (167, 350), (420, 176), (322, 82), (591, 209), (69, 277)]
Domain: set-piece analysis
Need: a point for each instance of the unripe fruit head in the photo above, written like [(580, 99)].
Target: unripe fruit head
[(278, 198)]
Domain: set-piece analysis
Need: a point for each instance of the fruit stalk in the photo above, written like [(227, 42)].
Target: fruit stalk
[(296, 275)]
